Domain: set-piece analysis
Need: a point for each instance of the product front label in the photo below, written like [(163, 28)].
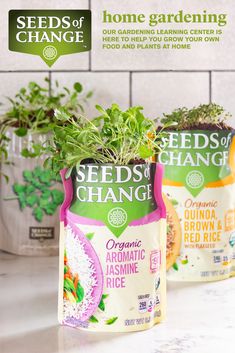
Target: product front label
[(199, 188), (115, 196), (132, 295), (50, 33), (113, 266), (196, 158), (207, 233)]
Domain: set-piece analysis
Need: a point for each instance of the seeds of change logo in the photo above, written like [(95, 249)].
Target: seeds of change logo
[(195, 179), (117, 217), (50, 33)]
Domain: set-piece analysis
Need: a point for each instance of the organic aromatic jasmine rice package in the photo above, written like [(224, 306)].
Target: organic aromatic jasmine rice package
[(112, 253), (199, 193), (113, 221)]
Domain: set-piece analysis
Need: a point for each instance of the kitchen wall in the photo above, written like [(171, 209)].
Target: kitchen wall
[(158, 80)]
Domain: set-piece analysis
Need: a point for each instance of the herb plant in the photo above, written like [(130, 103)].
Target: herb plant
[(204, 115), (115, 136), (32, 110)]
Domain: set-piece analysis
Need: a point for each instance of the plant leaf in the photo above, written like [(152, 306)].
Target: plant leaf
[(32, 200), (18, 188), (21, 131), (57, 196), (28, 175), (50, 208), (38, 214), (101, 305), (29, 189), (104, 296), (78, 87), (111, 320), (45, 176), (89, 94), (27, 154), (46, 194), (145, 152), (22, 201), (68, 173), (174, 202), (93, 319), (89, 236), (37, 171)]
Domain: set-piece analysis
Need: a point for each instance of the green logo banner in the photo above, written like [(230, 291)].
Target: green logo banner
[(114, 195), (49, 33), (196, 158)]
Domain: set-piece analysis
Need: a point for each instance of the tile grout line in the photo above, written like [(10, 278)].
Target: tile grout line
[(210, 86), (112, 71), (89, 53), (130, 88), (89, 62)]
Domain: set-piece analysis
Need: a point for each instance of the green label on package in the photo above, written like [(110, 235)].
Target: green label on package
[(114, 195), (196, 158), (50, 33)]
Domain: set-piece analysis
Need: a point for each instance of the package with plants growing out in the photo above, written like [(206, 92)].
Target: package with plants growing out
[(31, 195), (112, 244), (199, 194)]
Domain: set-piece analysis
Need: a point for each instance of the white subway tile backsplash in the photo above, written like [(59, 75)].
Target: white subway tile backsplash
[(11, 82), (223, 92), (107, 87), (162, 92)]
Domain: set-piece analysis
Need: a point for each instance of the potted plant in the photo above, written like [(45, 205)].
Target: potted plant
[(199, 183), (112, 220), (30, 195)]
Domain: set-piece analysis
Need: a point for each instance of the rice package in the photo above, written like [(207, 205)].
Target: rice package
[(199, 193), (112, 248)]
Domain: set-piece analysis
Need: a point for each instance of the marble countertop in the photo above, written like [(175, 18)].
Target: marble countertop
[(201, 316)]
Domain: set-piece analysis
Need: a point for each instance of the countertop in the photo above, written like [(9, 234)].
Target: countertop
[(200, 316)]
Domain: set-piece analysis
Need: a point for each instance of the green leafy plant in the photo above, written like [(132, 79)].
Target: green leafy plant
[(37, 192), (32, 110), (115, 136), (203, 116)]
